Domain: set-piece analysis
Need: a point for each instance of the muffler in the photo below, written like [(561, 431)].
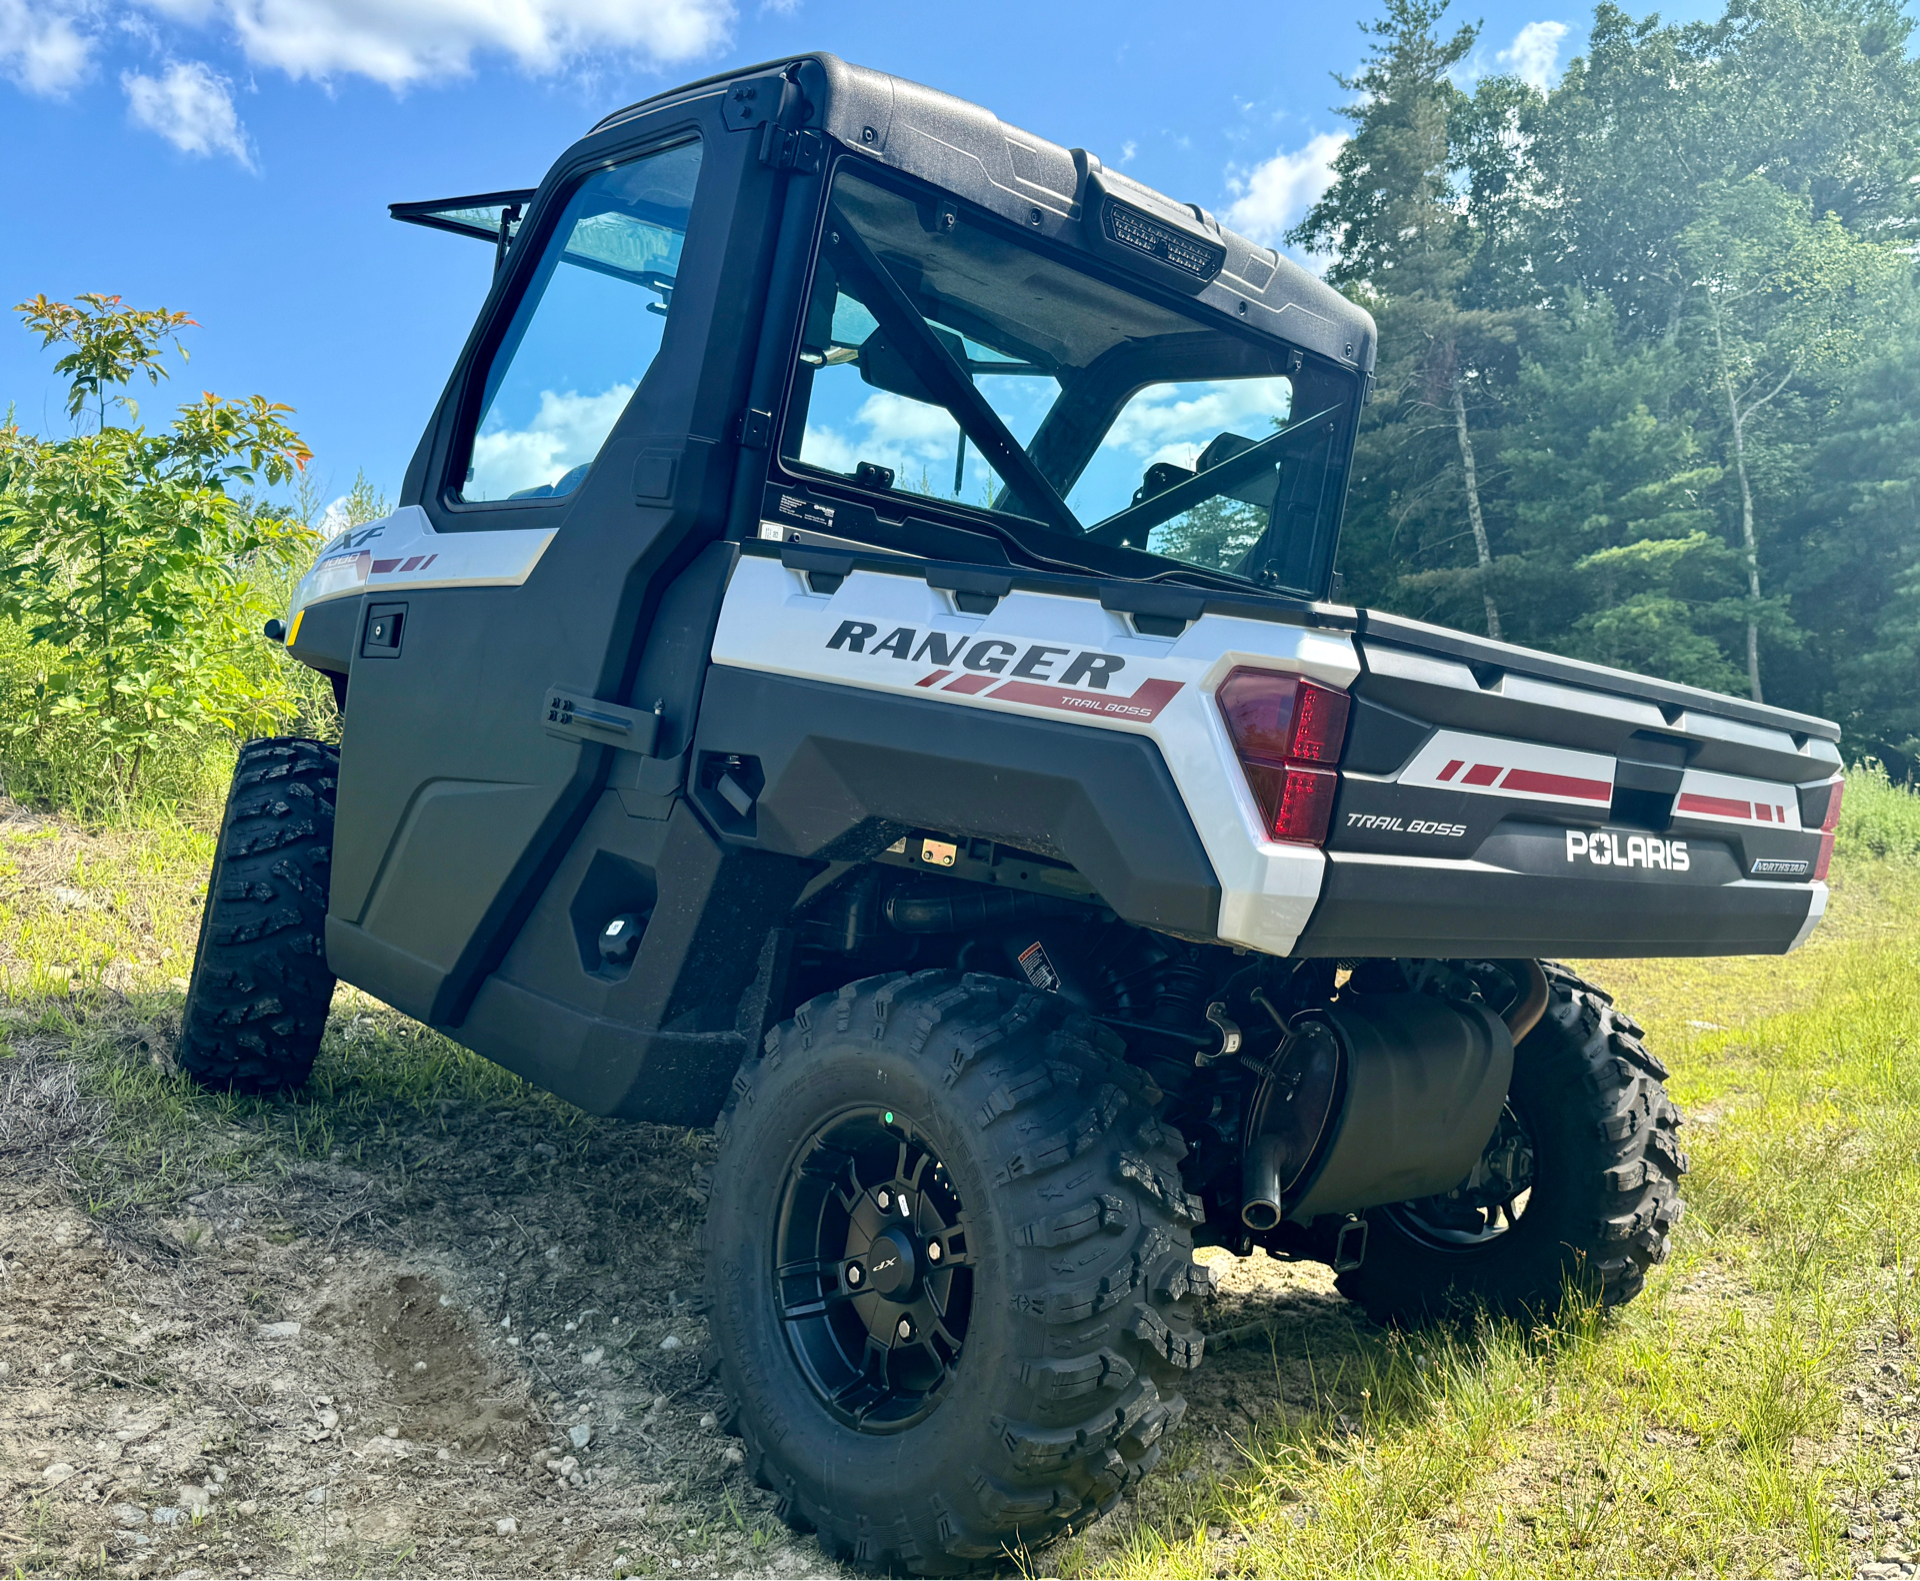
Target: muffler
[(1383, 1098)]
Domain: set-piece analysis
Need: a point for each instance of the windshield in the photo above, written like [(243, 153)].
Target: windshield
[(943, 358)]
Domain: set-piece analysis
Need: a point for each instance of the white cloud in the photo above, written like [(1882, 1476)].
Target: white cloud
[(1127, 150), (1273, 195), (566, 432), (1175, 422), (190, 107), (45, 48), (917, 441), (398, 42), (1534, 54), (910, 437)]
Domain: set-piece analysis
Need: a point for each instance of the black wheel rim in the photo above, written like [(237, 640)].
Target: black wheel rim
[(872, 1270), (1488, 1204)]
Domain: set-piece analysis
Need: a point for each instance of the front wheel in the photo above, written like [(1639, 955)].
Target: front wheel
[(257, 1001), (950, 1281), (1576, 1190)]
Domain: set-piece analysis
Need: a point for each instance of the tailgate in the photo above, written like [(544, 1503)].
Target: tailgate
[(1495, 801)]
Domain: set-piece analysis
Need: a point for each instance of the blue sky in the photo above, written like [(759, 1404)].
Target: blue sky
[(234, 158)]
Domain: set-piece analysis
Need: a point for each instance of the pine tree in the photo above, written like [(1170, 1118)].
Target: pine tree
[(1858, 580), (1393, 218), (1617, 554)]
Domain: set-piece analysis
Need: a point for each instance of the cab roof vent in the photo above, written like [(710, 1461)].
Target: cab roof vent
[(1146, 233), (1128, 227)]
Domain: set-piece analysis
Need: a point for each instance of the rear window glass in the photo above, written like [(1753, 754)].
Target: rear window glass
[(945, 358)]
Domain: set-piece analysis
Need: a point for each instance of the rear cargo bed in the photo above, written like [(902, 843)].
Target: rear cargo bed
[(1496, 801)]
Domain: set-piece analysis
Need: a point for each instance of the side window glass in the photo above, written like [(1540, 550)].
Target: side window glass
[(586, 330)]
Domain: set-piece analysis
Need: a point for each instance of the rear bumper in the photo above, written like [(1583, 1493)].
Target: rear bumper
[(1521, 896)]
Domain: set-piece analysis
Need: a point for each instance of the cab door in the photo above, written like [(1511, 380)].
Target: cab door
[(579, 460)]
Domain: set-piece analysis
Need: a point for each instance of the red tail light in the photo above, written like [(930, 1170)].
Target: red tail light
[(1827, 826), (1832, 820), (1283, 728)]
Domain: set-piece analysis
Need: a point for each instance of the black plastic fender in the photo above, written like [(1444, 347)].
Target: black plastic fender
[(839, 773)]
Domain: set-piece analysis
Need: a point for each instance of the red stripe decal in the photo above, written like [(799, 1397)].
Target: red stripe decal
[(938, 675), (967, 685), (1765, 812), (1481, 774), (413, 562), (1714, 806), (382, 567), (1145, 703), (1538, 784), (1452, 769), (428, 561)]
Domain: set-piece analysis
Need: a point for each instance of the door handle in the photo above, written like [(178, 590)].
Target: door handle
[(572, 713)]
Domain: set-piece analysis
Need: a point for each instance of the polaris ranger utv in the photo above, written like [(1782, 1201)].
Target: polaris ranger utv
[(854, 667)]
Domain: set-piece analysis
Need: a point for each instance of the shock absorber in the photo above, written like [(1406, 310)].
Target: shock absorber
[(1182, 990)]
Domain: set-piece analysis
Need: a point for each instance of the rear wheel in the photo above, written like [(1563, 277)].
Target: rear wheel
[(949, 1267), (1576, 1190), (257, 1001)]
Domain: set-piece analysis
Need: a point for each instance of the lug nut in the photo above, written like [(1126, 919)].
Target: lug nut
[(904, 1328), (884, 1198), (855, 1273), (934, 1254)]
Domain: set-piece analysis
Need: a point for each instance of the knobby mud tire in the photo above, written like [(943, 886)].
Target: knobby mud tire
[(1082, 1319), (1607, 1168), (257, 1001)]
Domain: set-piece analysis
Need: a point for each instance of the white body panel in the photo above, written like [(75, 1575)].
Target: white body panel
[(402, 553), (1059, 656), (772, 622), (1494, 766)]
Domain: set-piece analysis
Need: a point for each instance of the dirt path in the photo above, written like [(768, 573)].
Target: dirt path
[(478, 1356)]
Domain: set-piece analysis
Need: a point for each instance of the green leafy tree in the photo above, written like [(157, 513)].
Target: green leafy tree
[(112, 345), (1857, 576), (1783, 295), (1645, 133), (1636, 397), (128, 558)]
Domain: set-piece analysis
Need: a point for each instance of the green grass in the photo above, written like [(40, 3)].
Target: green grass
[(97, 934), (1878, 818), (1714, 1426), (1704, 1429)]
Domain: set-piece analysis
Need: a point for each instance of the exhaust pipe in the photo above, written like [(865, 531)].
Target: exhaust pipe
[(1383, 1099), (1288, 1120), (1525, 1016)]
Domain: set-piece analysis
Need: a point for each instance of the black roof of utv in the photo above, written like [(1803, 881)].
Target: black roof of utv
[(1064, 194)]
